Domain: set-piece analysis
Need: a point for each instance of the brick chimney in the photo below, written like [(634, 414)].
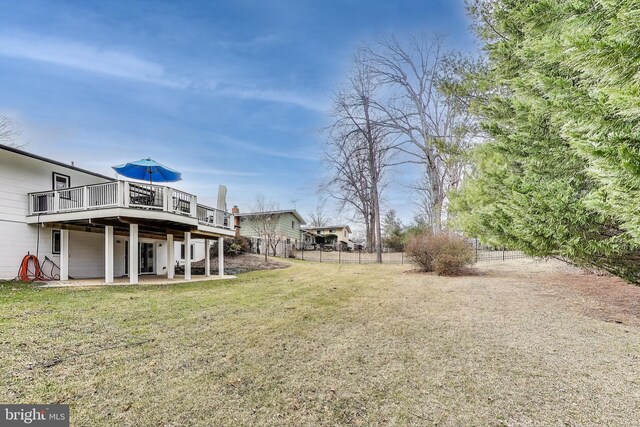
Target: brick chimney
[(236, 219)]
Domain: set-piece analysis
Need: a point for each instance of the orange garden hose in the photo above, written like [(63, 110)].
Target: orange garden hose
[(30, 269)]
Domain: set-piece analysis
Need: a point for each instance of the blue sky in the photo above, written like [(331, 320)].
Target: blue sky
[(232, 92)]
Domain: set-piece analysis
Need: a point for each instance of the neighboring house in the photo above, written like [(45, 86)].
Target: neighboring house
[(308, 239), (91, 225), (342, 231), (274, 228)]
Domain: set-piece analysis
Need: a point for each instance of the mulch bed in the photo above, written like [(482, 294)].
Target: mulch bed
[(237, 264), (608, 298)]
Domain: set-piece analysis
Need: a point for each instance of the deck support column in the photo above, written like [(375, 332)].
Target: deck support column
[(207, 257), (220, 256), (64, 254), (133, 254), (187, 255), (108, 254), (171, 257)]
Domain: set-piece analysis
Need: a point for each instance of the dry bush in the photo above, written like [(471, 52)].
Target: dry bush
[(445, 253)]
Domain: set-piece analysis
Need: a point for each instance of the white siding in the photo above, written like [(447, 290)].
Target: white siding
[(118, 255), (16, 240), (20, 175), (86, 255), (198, 250)]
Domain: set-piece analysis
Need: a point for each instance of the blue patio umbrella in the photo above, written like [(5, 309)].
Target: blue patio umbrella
[(148, 169)]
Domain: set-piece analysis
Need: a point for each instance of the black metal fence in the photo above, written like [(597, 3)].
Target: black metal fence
[(363, 257)]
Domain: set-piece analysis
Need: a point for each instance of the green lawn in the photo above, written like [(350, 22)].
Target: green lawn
[(325, 344)]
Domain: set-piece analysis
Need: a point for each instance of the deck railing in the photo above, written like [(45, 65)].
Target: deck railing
[(125, 194), (212, 217)]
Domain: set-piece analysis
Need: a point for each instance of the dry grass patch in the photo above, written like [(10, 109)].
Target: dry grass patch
[(325, 345)]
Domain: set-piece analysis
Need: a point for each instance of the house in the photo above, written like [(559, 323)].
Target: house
[(90, 225), (308, 239), (341, 231), (275, 229)]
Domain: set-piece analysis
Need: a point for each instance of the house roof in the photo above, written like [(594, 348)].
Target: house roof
[(327, 227), (280, 212), (54, 162)]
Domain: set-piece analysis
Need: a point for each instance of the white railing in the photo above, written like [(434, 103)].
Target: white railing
[(126, 194), (41, 202), (145, 196), (102, 195), (182, 203), (212, 217)]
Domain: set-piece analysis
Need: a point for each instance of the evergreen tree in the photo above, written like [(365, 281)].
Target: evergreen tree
[(392, 231), (559, 101)]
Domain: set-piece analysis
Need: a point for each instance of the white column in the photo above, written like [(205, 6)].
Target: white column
[(171, 257), (207, 257), (64, 254), (108, 254), (133, 254), (220, 256), (187, 255)]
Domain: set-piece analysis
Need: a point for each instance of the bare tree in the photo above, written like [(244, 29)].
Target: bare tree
[(431, 122), (264, 222), (8, 132), (360, 149), (318, 217), (349, 185)]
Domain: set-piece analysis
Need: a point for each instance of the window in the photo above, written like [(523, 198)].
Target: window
[(344, 233), (182, 250), (55, 242), (288, 241), (293, 224), (61, 181)]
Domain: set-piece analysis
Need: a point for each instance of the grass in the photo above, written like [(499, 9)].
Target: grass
[(323, 345)]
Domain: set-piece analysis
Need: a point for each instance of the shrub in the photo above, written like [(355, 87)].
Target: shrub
[(244, 243), (232, 247), (445, 253), (330, 239)]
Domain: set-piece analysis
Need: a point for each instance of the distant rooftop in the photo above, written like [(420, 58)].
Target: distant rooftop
[(329, 227), (279, 212)]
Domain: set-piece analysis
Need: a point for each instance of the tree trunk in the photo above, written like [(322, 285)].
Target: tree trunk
[(378, 228), (266, 249)]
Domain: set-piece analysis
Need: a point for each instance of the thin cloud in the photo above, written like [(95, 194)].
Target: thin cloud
[(249, 146), (125, 65), (315, 103), (85, 57), (258, 41), (216, 171)]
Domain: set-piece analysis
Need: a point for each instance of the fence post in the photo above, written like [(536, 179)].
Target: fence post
[(320, 253), (359, 253), (401, 258), (303, 251), (339, 254), (502, 254)]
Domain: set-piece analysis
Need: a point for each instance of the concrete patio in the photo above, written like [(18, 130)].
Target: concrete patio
[(124, 281)]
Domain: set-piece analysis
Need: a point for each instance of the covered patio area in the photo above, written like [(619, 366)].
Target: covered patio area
[(138, 250)]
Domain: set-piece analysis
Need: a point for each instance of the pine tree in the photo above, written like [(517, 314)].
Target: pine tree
[(560, 173)]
